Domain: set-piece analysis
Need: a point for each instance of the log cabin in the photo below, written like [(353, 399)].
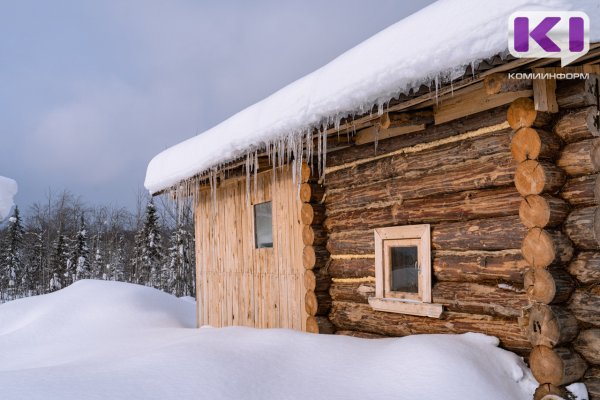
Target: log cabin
[(409, 198)]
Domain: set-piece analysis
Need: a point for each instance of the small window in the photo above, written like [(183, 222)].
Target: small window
[(403, 271), (263, 225)]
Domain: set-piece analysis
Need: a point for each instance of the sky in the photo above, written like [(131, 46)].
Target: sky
[(90, 90)]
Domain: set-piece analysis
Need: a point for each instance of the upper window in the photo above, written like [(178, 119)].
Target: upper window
[(403, 271), (263, 225)]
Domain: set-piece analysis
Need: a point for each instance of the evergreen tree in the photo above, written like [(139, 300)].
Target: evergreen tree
[(182, 276), (13, 266), (81, 253), (58, 263), (119, 260), (37, 262), (151, 250), (97, 261)]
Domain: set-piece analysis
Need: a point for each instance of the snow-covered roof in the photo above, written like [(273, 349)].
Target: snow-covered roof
[(8, 190), (440, 41)]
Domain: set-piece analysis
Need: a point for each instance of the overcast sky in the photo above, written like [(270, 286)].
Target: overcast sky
[(90, 91)]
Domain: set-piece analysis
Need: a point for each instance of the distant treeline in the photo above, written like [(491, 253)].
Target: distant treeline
[(63, 240)]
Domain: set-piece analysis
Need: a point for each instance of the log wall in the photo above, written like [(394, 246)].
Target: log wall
[(458, 177), (512, 195)]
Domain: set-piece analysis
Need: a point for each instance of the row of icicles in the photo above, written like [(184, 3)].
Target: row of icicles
[(292, 149)]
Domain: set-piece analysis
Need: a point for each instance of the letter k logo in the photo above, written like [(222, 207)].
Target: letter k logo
[(539, 34)]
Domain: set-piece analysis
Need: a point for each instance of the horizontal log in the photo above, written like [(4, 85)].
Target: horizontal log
[(453, 207), (305, 173), (548, 286), (487, 172), (394, 124), (471, 123), (314, 235), (461, 105), (481, 234), (356, 292), (310, 280), (584, 304), (307, 214), (352, 267), (522, 114), (362, 335), (585, 267), (588, 345), (453, 266), (311, 303), (361, 317), (578, 125), (536, 177), (583, 227), (533, 144), (500, 83), (582, 191), (418, 163), (475, 298), (559, 366), (311, 324), (309, 257), (479, 266), (575, 93), (542, 211), (592, 382), (580, 158), (542, 248), (311, 192), (550, 326)]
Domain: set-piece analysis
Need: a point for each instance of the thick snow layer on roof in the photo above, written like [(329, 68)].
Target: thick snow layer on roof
[(112, 340), (8, 190), (439, 41)]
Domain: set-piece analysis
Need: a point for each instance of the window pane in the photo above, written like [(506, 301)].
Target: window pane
[(404, 268), (263, 225)]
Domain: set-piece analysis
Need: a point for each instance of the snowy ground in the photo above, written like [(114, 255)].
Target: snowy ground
[(110, 340)]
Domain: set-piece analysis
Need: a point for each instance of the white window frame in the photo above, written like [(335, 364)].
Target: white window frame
[(404, 302)]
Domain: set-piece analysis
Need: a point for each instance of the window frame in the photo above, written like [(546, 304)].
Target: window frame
[(255, 225), (404, 302)]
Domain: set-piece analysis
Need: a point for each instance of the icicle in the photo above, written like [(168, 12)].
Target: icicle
[(255, 173), (324, 156)]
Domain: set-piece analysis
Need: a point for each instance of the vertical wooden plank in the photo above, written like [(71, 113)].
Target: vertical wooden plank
[(544, 95)]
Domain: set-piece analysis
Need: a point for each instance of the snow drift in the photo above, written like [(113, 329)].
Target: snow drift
[(436, 43), (8, 190), (99, 340)]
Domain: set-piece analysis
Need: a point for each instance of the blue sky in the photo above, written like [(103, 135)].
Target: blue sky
[(90, 91)]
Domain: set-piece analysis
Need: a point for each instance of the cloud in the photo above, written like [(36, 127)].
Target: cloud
[(116, 82)]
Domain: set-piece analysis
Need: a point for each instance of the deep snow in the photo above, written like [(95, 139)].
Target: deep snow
[(438, 42), (111, 340), (8, 190)]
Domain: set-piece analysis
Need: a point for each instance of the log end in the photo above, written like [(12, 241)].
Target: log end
[(521, 113)]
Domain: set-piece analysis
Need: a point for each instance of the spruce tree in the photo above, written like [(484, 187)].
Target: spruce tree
[(181, 282), (13, 266), (58, 263), (119, 261), (151, 250), (81, 253)]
